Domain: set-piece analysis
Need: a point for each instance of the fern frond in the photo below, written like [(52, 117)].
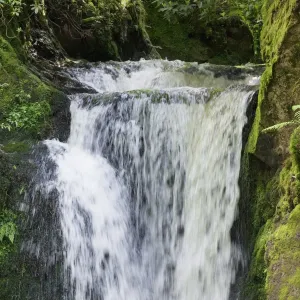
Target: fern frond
[(295, 107), (297, 116), (276, 127)]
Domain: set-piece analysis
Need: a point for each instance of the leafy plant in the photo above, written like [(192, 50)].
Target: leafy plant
[(26, 116), (209, 11), (14, 6), (8, 228), (180, 7), (295, 121), (36, 7)]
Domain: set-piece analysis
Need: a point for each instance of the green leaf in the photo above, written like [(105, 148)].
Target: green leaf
[(295, 107), (277, 127), (8, 230)]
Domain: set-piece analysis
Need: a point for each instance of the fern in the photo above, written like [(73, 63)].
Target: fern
[(295, 121)]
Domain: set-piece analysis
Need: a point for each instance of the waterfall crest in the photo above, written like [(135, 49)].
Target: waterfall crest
[(147, 184)]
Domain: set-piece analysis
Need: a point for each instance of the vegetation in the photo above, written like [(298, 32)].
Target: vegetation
[(294, 122), (7, 226), (24, 115), (275, 183), (277, 19), (210, 11)]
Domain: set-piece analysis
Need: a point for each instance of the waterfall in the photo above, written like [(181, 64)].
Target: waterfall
[(147, 183)]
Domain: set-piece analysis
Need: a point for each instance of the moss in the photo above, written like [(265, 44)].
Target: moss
[(172, 39), (264, 82), (279, 90), (27, 104), (258, 270), (13, 147), (215, 92), (283, 257), (295, 146), (276, 255), (190, 39), (266, 198), (277, 20)]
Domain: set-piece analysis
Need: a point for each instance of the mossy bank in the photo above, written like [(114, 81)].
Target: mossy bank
[(270, 174)]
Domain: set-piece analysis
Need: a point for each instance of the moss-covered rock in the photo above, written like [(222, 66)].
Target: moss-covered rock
[(279, 81), (273, 161), (100, 30), (275, 216), (30, 110)]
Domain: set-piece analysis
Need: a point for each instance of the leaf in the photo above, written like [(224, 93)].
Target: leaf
[(8, 230), (295, 107), (277, 126), (297, 116)]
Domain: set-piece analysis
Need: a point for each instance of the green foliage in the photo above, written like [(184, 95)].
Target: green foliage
[(36, 7), (24, 99), (180, 7), (26, 116), (210, 11), (249, 11), (14, 10), (8, 228), (295, 121), (14, 7), (13, 147)]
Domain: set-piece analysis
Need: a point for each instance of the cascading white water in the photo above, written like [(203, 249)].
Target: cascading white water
[(148, 183)]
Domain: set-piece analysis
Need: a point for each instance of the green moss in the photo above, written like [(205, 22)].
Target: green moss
[(172, 39), (24, 98), (276, 256), (283, 257), (255, 288), (277, 20), (295, 146), (256, 127), (192, 39), (266, 198), (13, 147), (140, 92), (275, 260)]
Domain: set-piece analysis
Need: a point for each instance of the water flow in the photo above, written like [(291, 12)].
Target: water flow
[(148, 188)]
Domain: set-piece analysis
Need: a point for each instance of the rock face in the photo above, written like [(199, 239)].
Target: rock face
[(271, 163), (100, 30)]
